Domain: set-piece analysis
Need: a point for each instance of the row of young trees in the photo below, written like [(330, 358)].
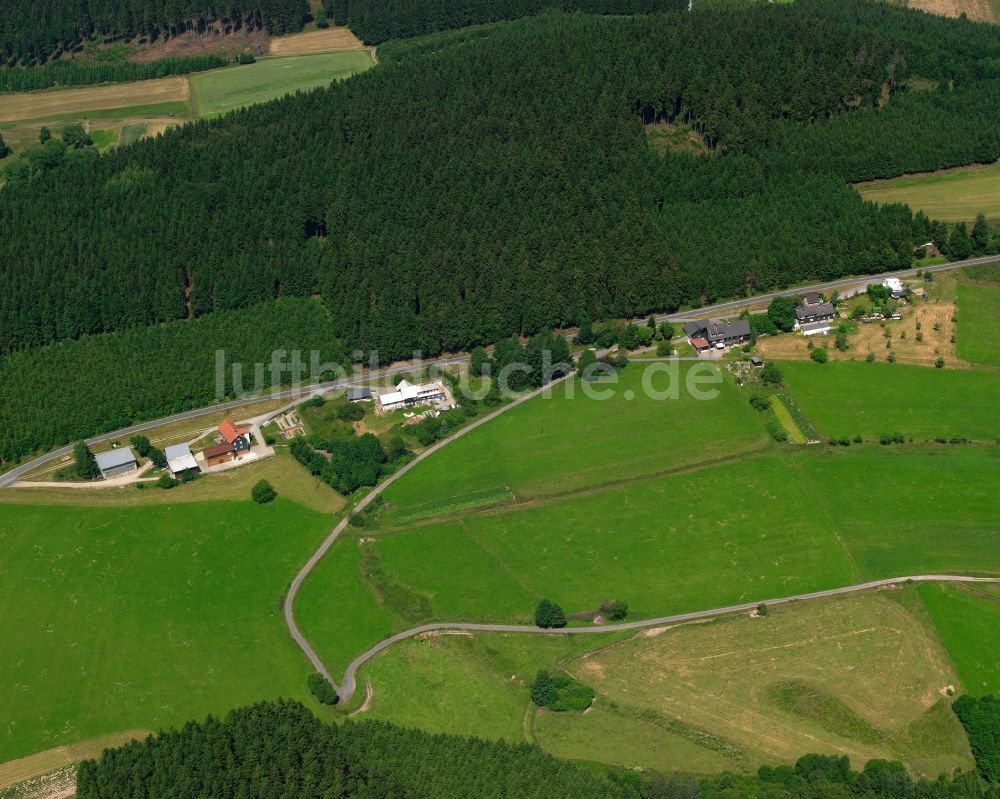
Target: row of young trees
[(279, 749), (36, 31), (467, 196), (77, 73)]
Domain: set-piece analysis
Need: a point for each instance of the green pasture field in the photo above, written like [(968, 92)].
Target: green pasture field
[(759, 528), (953, 195), (220, 91), (554, 445), (870, 399), (968, 620), (861, 675), (142, 617), (179, 109), (978, 338)]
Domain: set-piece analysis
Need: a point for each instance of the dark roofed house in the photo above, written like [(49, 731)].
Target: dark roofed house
[(811, 298), (116, 461), (707, 333), (806, 314)]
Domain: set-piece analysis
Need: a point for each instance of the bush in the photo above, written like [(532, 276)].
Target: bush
[(166, 481), (870, 357), (759, 402), (548, 614), (561, 693), (351, 412), (263, 492), (770, 374), (891, 438), (663, 348), (776, 431), (614, 609), (762, 609), (246, 58), (84, 463), (819, 355), (321, 689), (939, 363)]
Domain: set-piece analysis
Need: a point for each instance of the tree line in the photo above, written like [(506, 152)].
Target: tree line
[(494, 183), (377, 21), (72, 72), (280, 749), (76, 389), (37, 31)]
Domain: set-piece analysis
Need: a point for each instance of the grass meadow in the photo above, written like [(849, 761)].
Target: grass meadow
[(561, 444), (861, 675), (968, 620), (978, 338), (219, 91), (761, 527), (869, 399), (952, 195), (141, 617)]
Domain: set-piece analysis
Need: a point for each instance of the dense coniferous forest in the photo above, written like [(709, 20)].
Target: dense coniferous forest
[(377, 21), (279, 749), (33, 31), (75, 389), (498, 181), (75, 73)]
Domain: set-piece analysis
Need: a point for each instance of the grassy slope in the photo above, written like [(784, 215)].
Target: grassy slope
[(549, 446), (950, 195), (701, 698), (978, 339), (118, 618), (968, 621), (844, 399), (216, 92)]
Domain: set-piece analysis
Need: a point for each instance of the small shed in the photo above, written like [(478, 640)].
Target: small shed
[(180, 459), (359, 394), (756, 360), (116, 462)]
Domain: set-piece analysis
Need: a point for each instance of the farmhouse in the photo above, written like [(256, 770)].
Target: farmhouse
[(359, 394), (822, 312), (407, 394), (218, 453), (180, 459), (116, 462), (238, 438), (707, 333)]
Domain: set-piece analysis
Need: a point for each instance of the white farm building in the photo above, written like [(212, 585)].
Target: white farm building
[(407, 394)]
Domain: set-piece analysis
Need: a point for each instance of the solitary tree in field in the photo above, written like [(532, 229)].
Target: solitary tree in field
[(762, 609), (262, 493), (543, 614), (84, 462), (4, 149)]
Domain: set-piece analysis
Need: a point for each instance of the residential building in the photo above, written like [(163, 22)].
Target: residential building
[(823, 312), (116, 462), (407, 394), (895, 285), (707, 333), (218, 453), (238, 438), (180, 459), (811, 298)]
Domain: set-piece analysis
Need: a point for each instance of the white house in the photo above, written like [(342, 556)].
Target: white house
[(407, 394), (895, 285)]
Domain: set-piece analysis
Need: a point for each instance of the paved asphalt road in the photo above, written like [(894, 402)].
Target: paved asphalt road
[(10, 477), (346, 690)]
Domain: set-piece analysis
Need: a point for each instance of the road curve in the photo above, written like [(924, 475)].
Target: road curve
[(293, 590), (347, 688), (12, 476)]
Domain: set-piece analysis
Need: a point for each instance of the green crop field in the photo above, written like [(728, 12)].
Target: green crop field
[(869, 399), (951, 195), (565, 443), (219, 91), (862, 675), (978, 338), (761, 527), (968, 621), (141, 617)]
